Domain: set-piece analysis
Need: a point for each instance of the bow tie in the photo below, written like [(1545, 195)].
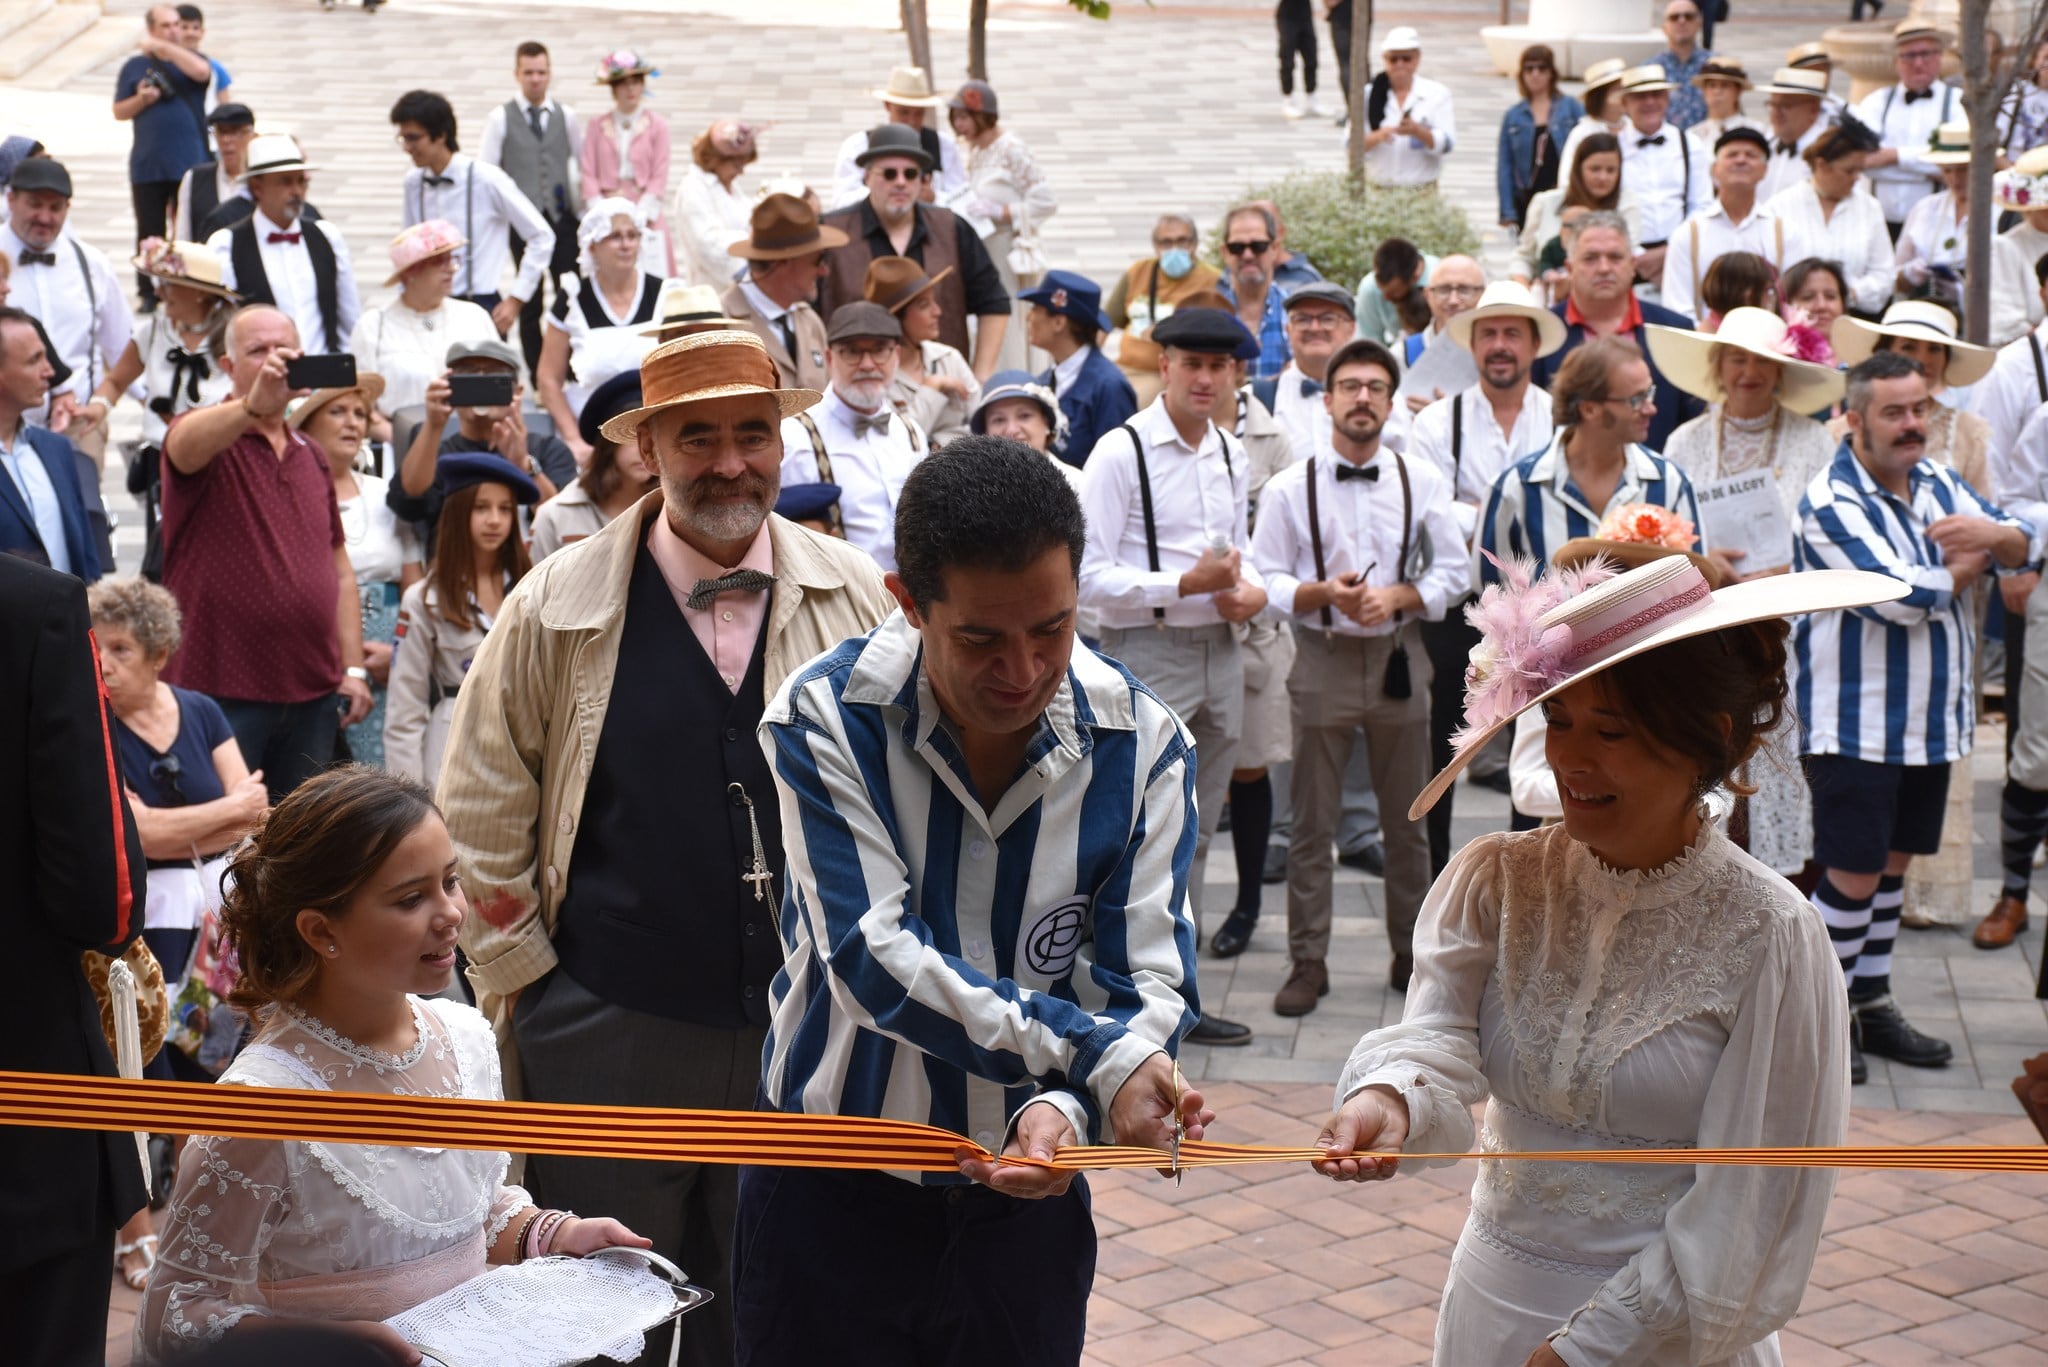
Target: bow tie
[(878, 424), (440, 180), (31, 257), (739, 581), (1786, 149), (1912, 95), (1346, 470), (292, 238), (192, 366), (1657, 141), (1309, 388)]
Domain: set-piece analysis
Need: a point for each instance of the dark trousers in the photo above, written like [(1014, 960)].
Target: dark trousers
[(1297, 22), (1340, 40), (289, 741), (861, 1269), (578, 1049), (152, 199), (486, 302), (63, 1299), (563, 260), (1449, 644)]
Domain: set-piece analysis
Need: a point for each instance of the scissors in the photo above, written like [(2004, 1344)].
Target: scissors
[(1180, 1127)]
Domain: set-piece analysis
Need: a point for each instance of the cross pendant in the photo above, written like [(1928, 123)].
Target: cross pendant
[(759, 877)]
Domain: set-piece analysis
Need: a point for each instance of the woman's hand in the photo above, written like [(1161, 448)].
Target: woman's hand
[(377, 659), (250, 797), (1544, 1356), (578, 1236), (1375, 1120)]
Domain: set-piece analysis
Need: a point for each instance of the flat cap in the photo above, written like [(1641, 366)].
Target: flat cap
[(1325, 292), (1206, 330), (489, 349), (863, 319)]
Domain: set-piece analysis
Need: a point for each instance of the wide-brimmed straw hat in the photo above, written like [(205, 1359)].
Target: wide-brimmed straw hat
[(910, 87), (368, 383), (1685, 358), (1950, 144), (1508, 299), (1919, 320), (1540, 636), (1606, 71), (1907, 30), (893, 281), (783, 226), (706, 365), (1808, 55), (191, 264), (422, 242), (683, 305)]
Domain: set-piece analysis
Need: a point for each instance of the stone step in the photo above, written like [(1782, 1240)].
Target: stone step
[(106, 39), (16, 15), (32, 31)]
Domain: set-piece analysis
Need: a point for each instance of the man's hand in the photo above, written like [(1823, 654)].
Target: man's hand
[(1724, 561), (1142, 1112), (1650, 263), (1416, 402), (505, 315), (1544, 1356), (1347, 595), (1375, 1121), (1040, 1132), (508, 438), (1213, 573), (2016, 589), (1241, 602), (1378, 606), (438, 407), (1960, 533), (357, 694), (271, 393)]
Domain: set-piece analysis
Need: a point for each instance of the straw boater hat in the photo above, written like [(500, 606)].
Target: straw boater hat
[(614, 67), (1950, 144), (422, 242), (271, 153), (1606, 71), (783, 226), (1645, 80), (2023, 187), (1569, 625), (681, 305), (1506, 298), (191, 264), (1811, 55), (1918, 320), (1723, 69), (1907, 30), (910, 87), (1685, 358), (893, 281), (368, 383), (1793, 80), (709, 365)]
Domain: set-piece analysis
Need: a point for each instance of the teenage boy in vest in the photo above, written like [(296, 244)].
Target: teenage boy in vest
[(276, 257), (211, 184), (534, 138)]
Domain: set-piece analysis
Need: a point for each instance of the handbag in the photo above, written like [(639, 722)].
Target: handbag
[(203, 1026)]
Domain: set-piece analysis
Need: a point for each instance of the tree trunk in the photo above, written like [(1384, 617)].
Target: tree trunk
[(919, 33), (977, 40), (1361, 46), (1980, 101)]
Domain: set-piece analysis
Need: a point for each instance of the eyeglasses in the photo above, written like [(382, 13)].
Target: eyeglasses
[(166, 770), (1636, 402), (1535, 66), (1258, 248), (895, 173), (1349, 389), (1456, 291), (1681, 18), (1318, 322), (865, 351), (408, 139)]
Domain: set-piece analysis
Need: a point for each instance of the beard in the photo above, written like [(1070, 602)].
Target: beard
[(1360, 425), (867, 394), (690, 506)]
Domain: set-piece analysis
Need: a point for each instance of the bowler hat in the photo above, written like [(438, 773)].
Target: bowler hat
[(783, 226), (894, 140), (1074, 295)]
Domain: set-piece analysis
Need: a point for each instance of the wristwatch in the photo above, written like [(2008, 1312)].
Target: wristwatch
[(357, 672)]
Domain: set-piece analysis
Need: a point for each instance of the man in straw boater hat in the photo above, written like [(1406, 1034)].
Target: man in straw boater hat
[(1625, 977), (1662, 167), (279, 257), (613, 812), (785, 251), (1904, 117), (990, 838), (909, 101), (1792, 103)]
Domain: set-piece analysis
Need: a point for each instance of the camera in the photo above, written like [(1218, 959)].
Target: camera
[(154, 80)]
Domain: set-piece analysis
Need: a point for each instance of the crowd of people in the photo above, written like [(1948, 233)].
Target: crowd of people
[(777, 678)]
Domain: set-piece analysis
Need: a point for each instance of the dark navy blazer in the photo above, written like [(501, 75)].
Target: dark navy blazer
[(17, 524)]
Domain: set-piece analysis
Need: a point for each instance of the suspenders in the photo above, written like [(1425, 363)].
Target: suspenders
[(1145, 501), (1315, 530), (1457, 441), (824, 460), (468, 221), (2040, 367)]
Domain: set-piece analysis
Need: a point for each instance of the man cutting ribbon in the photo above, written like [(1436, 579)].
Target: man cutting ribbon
[(989, 831), (613, 813)]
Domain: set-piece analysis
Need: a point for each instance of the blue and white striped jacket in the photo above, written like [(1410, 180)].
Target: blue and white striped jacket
[(948, 965), (1535, 507)]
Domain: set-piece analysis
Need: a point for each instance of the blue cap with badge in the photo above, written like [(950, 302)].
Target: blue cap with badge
[(1070, 293), (461, 469)]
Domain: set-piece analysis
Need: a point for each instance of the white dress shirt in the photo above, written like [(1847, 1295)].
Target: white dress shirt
[(1303, 415), (289, 268), (1066, 374), (2008, 396), (1789, 168), (1408, 161), (1199, 495), (225, 188), (1656, 172), (1484, 450), (79, 301), (492, 153), (1361, 524), (25, 469), (1856, 236), (1711, 233), (709, 218), (2019, 483), (850, 183), (2015, 290), (1909, 127), (485, 207), (869, 468), (1934, 234)]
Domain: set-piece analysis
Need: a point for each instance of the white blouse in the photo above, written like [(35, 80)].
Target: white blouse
[(410, 348), (1856, 236), (1696, 1005), (305, 1230), (709, 218), (380, 546), (154, 344)]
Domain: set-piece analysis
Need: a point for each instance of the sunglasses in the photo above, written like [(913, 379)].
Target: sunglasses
[(1259, 248), (167, 770), (896, 173)]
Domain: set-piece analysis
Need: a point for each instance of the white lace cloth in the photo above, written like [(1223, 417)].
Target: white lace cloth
[(551, 1312), (1698, 1005), (330, 1231)]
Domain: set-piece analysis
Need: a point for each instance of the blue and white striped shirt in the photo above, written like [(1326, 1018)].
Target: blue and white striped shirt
[(1889, 683), (948, 965), (1535, 507)]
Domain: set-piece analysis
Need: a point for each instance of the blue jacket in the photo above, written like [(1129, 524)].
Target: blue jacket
[(1674, 405), (17, 524), (1095, 405), (1517, 164)]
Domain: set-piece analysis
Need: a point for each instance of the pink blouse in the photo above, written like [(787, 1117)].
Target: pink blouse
[(649, 156)]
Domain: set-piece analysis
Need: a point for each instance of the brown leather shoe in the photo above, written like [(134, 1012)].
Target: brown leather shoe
[(2007, 919), (1308, 983)]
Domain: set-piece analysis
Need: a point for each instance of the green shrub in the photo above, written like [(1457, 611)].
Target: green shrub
[(1339, 233)]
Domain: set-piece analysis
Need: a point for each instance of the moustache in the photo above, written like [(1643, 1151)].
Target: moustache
[(715, 486), (1501, 358)]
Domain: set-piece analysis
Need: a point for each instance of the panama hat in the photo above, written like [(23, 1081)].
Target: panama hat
[(910, 87), (192, 264), (422, 242), (706, 365), (271, 153), (1907, 30), (1509, 299), (1685, 358), (1722, 69), (1540, 636), (1950, 144), (683, 305), (1919, 320), (1606, 71), (1810, 55)]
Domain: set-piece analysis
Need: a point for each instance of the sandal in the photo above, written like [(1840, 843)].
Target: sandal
[(136, 1277)]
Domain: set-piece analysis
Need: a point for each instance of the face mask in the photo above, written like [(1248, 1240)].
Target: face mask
[(1177, 262)]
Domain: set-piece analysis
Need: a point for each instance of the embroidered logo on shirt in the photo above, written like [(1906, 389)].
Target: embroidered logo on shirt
[(1049, 943)]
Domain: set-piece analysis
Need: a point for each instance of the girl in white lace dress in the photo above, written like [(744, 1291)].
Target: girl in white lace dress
[(1626, 979), (344, 910)]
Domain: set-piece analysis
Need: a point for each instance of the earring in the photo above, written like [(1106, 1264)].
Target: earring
[(334, 949)]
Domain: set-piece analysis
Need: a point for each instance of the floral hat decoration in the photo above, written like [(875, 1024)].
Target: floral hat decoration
[(192, 264), (1807, 378), (617, 65), (1540, 633), (2024, 185)]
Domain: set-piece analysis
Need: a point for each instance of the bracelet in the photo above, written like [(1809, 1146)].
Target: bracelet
[(519, 1239), (554, 1231), (253, 415), (539, 1237)]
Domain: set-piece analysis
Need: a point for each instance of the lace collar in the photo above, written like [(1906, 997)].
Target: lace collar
[(348, 1048), (1658, 887)]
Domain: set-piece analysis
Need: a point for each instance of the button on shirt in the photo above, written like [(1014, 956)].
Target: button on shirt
[(481, 201), (1405, 160), (1655, 172), (1717, 233), (1197, 497), (1303, 415), (89, 325), (1535, 505), (289, 268), (1361, 522), (729, 627), (869, 469), (939, 961), (1482, 451), (1908, 126), (1788, 166), (32, 484)]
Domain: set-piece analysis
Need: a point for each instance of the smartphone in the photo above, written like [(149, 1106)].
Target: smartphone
[(335, 370), (480, 391)]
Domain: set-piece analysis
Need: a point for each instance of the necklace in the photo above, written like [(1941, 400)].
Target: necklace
[(1763, 458)]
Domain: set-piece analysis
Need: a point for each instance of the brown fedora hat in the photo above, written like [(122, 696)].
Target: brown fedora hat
[(893, 281), (784, 226), (706, 365)]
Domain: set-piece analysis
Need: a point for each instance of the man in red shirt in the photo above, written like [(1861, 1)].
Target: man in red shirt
[(254, 551)]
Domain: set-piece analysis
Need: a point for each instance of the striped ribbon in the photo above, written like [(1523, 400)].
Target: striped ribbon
[(766, 1139)]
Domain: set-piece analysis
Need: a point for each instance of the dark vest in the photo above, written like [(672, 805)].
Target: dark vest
[(254, 285), (539, 166), (847, 266), (592, 308), (205, 197), (236, 209), (656, 916)]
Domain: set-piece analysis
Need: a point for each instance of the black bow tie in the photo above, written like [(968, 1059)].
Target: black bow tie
[(192, 366), (878, 424), (1657, 141), (440, 180), (739, 581), (1310, 388), (1346, 470), (1912, 95), (1787, 149), (31, 257)]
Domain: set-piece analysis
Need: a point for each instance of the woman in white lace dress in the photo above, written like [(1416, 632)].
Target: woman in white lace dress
[(1625, 979), (1008, 200), (344, 910), (1758, 396)]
